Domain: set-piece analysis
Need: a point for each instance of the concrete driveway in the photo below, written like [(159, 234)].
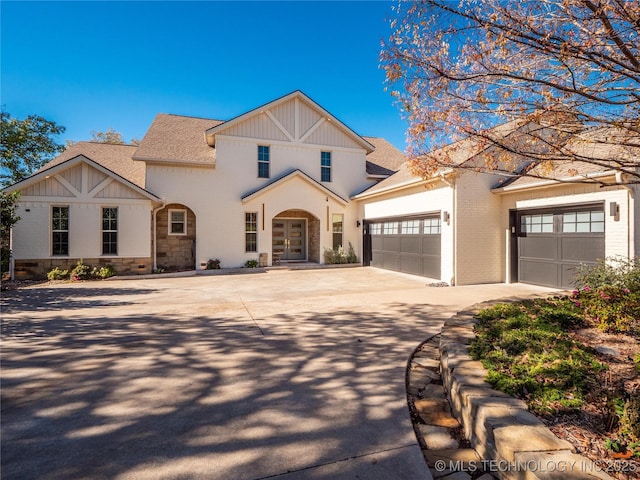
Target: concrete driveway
[(284, 374)]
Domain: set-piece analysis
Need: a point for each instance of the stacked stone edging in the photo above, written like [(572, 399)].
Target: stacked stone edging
[(499, 427)]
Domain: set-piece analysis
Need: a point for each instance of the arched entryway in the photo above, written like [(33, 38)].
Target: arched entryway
[(295, 236), (175, 238)]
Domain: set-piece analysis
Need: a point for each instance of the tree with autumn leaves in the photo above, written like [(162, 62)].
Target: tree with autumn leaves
[(526, 88)]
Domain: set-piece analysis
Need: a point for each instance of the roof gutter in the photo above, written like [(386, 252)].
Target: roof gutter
[(401, 186), (551, 182)]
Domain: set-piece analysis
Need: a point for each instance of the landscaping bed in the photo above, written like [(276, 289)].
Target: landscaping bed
[(575, 360)]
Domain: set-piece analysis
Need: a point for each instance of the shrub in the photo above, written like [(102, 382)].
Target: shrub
[(213, 264), (81, 271), (338, 255), (103, 272), (58, 274), (251, 263), (611, 308), (614, 271)]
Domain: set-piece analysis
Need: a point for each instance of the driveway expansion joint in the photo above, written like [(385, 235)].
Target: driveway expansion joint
[(466, 429)]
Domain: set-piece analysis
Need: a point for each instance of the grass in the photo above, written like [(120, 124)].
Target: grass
[(526, 349)]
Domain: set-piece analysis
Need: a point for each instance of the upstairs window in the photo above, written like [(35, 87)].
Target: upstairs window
[(325, 166), (263, 161), (110, 231), (60, 230)]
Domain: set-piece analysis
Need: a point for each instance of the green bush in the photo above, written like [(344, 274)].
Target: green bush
[(614, 271), (81, 271), (337, 256), (58, 274), (611, 308), (103, 272), (251, 263)]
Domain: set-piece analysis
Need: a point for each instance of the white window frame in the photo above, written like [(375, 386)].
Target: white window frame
[(247, 231), (170, 226), (103, 231)]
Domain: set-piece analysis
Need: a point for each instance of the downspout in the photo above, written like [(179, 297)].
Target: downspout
[(452, 219), (155, 235), (631, 246)]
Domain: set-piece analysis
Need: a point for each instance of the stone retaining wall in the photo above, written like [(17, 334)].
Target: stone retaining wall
[(36, 269), (498, 426)]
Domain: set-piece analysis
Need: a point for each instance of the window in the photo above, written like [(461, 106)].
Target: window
[(542, 223), (250, 232), (325, 166), (263, 161), (431, 226), (110, 231), (410, 227), (337, 221), (177, 222), (60, 230), (375, 229), (583, 222), (390, 228)]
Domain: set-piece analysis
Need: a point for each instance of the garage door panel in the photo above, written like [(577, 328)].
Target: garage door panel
[(411, 264), (431, 266), (568, 272), (538, 246), (391, 244), (431, 244), (376, 242), (538, 273), (582, 248), (410, 245), (391, 261)]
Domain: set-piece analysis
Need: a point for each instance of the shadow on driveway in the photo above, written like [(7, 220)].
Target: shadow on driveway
[(209, 396)]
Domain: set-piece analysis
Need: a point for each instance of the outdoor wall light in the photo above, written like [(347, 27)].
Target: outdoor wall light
[(614, 210), (358, 223), (445, 217)]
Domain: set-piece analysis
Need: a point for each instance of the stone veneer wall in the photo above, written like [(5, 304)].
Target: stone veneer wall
[(175, 252), (35, 269), (313, 231)]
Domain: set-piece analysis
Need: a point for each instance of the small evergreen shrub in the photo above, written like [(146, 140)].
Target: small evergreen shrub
[(251, 264), (337, 256), (103, 272), (58, 274), (81, 271)]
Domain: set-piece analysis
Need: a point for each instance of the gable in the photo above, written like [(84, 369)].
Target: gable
[(294, 118), (80, 178)]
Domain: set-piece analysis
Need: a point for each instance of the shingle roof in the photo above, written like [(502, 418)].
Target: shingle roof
[(385, 159), (116, 158), (602, 145), (175, 138)]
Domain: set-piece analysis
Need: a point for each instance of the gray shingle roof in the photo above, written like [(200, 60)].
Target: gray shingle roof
[(116, 158), (385, 159), (175, 138)]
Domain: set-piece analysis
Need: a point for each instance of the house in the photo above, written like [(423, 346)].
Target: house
[(277, 180), (287, 180), (469, 228)]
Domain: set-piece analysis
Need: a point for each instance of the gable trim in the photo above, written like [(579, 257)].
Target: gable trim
[(80, 159), (276, 182), (296, 96)]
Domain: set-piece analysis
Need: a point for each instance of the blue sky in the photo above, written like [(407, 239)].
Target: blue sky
[(91, 66)]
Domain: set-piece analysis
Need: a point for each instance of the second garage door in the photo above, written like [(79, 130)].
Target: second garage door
[(408, 245), (553, 243)]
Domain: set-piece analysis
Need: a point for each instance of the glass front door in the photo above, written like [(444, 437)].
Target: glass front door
[(289, 239)]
